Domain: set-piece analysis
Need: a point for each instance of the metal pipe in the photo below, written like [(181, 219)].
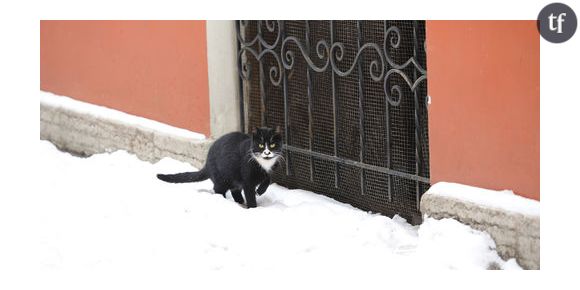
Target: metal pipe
[(356, 164), (285, 89), (334, 110), (241, 82), (388, 131), (361, 109), (416, 111), (262, 80), (309, 93)]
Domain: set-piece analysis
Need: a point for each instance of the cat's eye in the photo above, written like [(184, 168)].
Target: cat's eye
[(272, 145), (261, 146)]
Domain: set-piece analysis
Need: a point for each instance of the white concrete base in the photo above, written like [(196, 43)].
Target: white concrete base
[(85, 134), (515, 232)]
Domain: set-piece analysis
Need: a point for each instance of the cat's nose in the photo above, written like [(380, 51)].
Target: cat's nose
[(267, 153)]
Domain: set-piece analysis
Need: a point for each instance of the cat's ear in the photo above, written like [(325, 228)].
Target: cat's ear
[(255, 130), (278, 130)]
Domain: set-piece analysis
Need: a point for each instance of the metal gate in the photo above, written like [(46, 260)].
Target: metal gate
[(351, 99)]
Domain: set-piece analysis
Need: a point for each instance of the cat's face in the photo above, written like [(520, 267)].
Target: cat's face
[(267, 144)]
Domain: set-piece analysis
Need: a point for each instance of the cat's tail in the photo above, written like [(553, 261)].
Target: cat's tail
[(185, 176)]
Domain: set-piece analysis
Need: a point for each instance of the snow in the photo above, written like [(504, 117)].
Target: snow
[(107, 218), (52, 100), (505, 199)]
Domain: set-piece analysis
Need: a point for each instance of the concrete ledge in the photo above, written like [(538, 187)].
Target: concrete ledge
[(516, 234), (85, 134)]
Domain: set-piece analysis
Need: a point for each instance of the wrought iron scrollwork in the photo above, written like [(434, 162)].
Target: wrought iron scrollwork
[(381, 68), (393, 37), (270, 26), (321, 52), (395, 41), (374, 65), (397, 88), (275, 72), (244, 67)]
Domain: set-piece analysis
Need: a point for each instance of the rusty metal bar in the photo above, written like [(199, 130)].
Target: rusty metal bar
[(417, 137), (388, 135), (335, 112), (285, 88), (356, 164), (361, 113), (309, 81)]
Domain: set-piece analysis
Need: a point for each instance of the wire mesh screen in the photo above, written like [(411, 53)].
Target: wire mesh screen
[(350, 98)]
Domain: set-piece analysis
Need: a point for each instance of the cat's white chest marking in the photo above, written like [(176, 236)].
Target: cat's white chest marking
[(267, 164)]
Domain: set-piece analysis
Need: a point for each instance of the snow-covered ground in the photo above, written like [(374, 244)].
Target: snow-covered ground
[(109, 214)]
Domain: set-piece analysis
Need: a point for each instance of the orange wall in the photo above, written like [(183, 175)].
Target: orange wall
[(153, 69), (484, 119)]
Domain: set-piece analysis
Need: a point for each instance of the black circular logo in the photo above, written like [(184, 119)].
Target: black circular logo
[(557, 22)]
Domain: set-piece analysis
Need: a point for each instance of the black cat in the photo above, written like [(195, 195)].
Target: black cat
[(238, 162)]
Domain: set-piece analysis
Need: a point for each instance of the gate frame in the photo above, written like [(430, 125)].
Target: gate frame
[(284, 63)]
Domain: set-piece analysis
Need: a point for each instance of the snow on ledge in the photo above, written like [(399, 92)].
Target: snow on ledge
[(52, 100), (504, 200)]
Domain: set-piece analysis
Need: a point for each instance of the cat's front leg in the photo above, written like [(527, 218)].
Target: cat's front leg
[(250, 194), (263, 186)]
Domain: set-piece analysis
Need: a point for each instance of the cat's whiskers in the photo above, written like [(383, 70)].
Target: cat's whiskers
[(281, 158), (251, 153)]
